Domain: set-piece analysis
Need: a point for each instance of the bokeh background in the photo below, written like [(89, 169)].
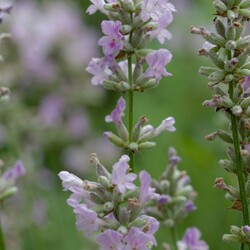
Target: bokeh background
[(55, 119)]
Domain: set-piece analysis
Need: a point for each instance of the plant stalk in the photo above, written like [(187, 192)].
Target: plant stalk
[(130, 102)]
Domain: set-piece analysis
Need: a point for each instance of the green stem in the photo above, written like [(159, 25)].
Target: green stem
[(174, 238), (2, 244), (130, 110), (130, 101), (238, 160)]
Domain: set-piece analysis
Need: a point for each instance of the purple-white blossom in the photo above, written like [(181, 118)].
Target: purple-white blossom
[(157, 61), (86, 219), (12, 174), (99, 69), (70, 180), (166, 125), (191, 240), (156, 8), (111, 43), (137, 239), (146, 192), (110, 239), (120, 176), (117, 113), (246, 85)]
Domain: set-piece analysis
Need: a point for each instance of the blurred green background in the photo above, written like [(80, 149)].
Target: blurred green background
[(38, 217)]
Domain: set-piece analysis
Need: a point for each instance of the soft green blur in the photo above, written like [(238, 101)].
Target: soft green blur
[(179, 96)]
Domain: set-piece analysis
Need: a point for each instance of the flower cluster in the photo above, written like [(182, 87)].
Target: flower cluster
[(228, 50), (8, 180), (176, 195), (131, 26), (141, 133), (191, 240), (113, 206), (238, 235)]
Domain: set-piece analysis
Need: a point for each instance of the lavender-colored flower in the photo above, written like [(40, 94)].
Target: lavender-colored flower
[(246, 229), (160, 32), (189, 206), (246, 85), (146, 192), (12, 174), (111, 43), (191, 240), (86, 219), (157, 62), (156, 8), (79, 195), (163, 199), (96, 5), (151, 227), (166, 125), (99, 70), (110, 239), (120, 177), (70, 180), (117, 113), (136, 239)]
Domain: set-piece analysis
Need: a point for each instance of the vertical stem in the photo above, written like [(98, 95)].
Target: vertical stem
[(130, 101), (174, 238), (239, 165), (131, 111), (2, 244)]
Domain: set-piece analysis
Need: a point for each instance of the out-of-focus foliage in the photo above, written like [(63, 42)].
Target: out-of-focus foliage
[(55, 119)]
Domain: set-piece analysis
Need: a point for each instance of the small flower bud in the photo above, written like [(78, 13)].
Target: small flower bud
[(243, 42), (230, 15), (229, 78), (133, 146), (228, 165), (220, 6), (207, 70), (108, 206), (137, 128), (95, 198), (123, 230), (245, 4), (114, 139), (112, 7), (231, 64), (243, 72), (128, 5), (244, 13), (231, 33), (239, 30), (138, 223), (8, 192), (245, 103), (229, 238), (236, 110), (224, 136), (123, 215), (220, 28), (230, 45), (104, 181), (146, 145)]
